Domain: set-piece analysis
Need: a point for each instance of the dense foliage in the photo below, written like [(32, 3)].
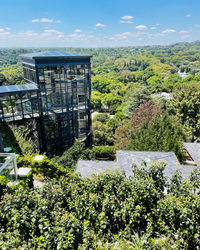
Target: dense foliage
[(74, 213), (104, 153), (161, 134), (70, 157), (186, 106)]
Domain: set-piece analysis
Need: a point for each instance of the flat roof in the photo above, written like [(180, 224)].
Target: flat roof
[(51, 54), (17, 88)]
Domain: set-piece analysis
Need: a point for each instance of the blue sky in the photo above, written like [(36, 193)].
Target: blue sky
[(102, 23)]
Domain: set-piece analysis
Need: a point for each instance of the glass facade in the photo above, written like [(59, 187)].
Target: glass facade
[(61, 103), (19, 105), (65, 97)]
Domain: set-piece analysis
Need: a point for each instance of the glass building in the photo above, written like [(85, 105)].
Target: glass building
[(56, 96)]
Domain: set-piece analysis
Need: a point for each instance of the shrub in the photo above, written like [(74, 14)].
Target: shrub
[(102, 152), (101, 117), (70, 157), (45, 166), (3, 182), (26, 181), (108, 211)]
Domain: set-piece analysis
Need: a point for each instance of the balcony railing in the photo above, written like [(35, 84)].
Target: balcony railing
[(8, 166)]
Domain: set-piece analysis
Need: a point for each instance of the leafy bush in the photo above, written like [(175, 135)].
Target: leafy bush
[(101, 117), (45, 166), (104, 152), (70, 157), (3, 182), (26, 181), (107, 211)]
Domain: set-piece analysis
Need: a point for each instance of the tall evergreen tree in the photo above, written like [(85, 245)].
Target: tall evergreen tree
[(161, 134)]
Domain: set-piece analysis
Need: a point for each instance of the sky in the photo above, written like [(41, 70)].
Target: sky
[(98, 23)]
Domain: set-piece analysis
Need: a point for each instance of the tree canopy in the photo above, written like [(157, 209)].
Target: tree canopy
[(185, 105)]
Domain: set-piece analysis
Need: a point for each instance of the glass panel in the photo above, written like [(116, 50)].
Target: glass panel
[(7, 167)]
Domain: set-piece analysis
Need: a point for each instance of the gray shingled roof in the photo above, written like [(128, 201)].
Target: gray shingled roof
[(89, 168), (186, 170), (125, 160), (128, 158), (194, 150)]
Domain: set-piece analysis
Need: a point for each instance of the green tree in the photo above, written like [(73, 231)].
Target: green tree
[(161, 134), (138, 95), (101, 117), (171, 82), (185, 105), (123, 134), (116, 120), (96, 100), (155, 84), (102, 134), (127, 76), (111, 102), (103, 81)]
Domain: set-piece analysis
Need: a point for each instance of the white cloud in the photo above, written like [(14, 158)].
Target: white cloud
[(123, 36), (127, 17), (122, 21), (141, 27), (45, 20), (167, 31), (153, 28), (158, 24), (4, 32), (77, 36), (142, 33), (188, 15), (185, 36), (100, 25), (77, 30), (50, 37), (53, 31), (128, 34), (157, 35), (29, 34), (184, 31)]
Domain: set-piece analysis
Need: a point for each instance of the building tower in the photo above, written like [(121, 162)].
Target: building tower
[(56, 96)]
